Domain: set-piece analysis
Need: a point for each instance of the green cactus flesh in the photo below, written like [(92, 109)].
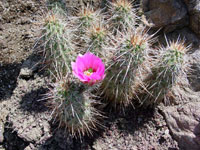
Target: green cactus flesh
[(58, 43), (73, 109), (122, 77), (164, 76)]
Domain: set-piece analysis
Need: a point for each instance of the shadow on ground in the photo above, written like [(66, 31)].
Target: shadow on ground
[(127, 123), (8, 79), (12, 141), (32, 101)]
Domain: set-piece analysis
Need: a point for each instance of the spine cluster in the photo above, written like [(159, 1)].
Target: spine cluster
[(135, 72)]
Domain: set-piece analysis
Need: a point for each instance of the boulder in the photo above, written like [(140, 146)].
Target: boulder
[(194, 12), (184, 123), (169, 14)]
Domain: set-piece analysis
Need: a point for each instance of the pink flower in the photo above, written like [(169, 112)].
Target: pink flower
[(88, 68)]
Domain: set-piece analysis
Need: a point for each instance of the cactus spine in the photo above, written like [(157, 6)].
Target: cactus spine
[(96, 37), (71, 101), (87, 17), (122, 75), (72, 105), (57, 38), (166, 72), (123, 15)]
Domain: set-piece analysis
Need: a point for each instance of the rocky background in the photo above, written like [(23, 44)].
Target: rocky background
[(24, 121)]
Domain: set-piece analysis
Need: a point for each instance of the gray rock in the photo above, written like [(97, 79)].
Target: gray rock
[(29, 67), (34, 134), (191, 5), (169, 14), (185, 33), (30, 147), (1, 131), (184, 123), (194, 77), (194, 11)]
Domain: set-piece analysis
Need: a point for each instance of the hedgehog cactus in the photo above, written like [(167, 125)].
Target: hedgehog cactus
[(57, 41), (171, 64), (96, 36), (72, 105), (122, 76), (86, 17), (96, 40), (123, 15), (72, 101)]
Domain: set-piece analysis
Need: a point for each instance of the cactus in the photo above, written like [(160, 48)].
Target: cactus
[(170, 65), (123, 74), (56, 40), (56, 6), (97, 40), (96, 36), (81, 3), (71, 101), (72, 105), (87, 17), (123, 15)]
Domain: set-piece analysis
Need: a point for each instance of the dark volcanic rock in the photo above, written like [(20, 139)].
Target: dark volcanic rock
[(184, 123), (194, 11), (169, 14)]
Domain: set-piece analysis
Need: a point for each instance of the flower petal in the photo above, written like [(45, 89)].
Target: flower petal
[(85, 62)]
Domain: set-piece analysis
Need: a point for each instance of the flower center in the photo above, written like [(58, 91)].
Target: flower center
[(88, 72)]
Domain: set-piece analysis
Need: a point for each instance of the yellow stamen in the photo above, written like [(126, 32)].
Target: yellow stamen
[(88, 72)]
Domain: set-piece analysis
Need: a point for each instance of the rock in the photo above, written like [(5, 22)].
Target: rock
[(26, 73), (194, 11), (184, 123), (185, 33), (169, 14), (1, 131), (29, 67), (30, 147), (191, 4), (2, 121), (34, 134), (194, 78)]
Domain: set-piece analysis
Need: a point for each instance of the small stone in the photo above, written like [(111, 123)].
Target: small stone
[(26, 72), (29, 67), (46, 127), (30, 147), (166, 132), (27, 148), (1, 131)]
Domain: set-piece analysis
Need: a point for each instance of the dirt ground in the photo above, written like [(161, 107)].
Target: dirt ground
[(26, 120)]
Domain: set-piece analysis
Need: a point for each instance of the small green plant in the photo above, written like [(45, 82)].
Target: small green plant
[(122, 76), (171, 63)]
